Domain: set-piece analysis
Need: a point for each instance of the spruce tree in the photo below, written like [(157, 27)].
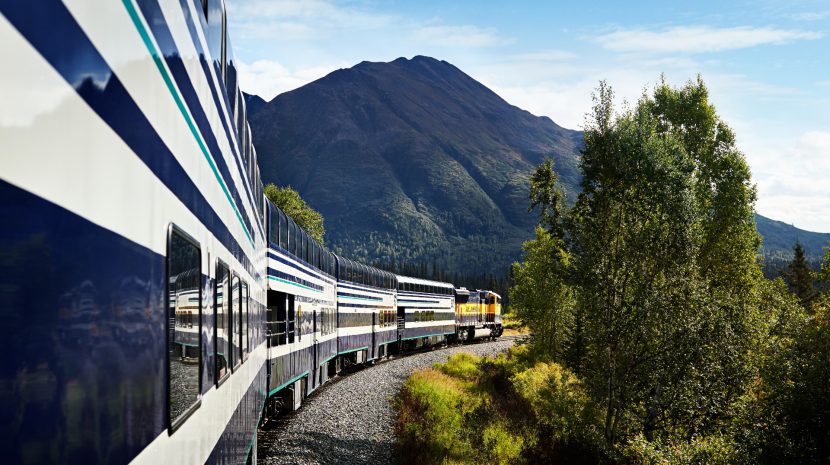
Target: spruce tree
[(799, 277)]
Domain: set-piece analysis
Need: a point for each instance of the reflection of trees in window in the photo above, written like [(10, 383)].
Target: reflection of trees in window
[(243, 319), (233, 353), (221, 308), (184, 310)]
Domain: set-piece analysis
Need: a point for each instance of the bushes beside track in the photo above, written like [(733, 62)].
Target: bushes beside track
[(504, 410)]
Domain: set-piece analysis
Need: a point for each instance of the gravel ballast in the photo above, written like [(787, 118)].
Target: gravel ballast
[(350, 420)]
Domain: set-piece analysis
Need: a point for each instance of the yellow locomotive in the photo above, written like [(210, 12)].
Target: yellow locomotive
[(477, 314)]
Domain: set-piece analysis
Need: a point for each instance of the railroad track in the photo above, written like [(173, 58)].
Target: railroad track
[(350, 419)]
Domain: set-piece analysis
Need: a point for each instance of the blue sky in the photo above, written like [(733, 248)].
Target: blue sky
[(767, 65)]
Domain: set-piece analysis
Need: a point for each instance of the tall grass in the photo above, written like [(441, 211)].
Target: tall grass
[(502, 410)]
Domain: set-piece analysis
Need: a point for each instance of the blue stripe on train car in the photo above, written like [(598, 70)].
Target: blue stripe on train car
[(87, 359)]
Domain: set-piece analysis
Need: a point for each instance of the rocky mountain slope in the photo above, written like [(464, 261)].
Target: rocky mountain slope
[(414, 161)]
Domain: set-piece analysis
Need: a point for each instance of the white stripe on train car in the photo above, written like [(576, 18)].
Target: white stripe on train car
[(75, 179), (129, 58), (354, 330), (172, 10)]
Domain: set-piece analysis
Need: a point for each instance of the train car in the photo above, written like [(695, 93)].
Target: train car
[(302, 308), (426, 309), (477, 314), (366, 322), (133, 237)]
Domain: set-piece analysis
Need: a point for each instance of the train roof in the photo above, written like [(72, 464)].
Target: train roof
[(426, 282)]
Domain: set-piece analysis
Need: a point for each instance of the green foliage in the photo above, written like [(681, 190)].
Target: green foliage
[(502, 446), (701, 450), (463, 366), (560, 402), (549, 197), (505, 410), (823, 275), (290, 202), (431, 416), (540, 296), (788, 419), (799, 277), (649, 289)]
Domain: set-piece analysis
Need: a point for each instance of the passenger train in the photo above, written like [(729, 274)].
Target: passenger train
[(156, 304)]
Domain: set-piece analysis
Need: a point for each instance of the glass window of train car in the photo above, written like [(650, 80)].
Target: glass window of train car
[(251, 159), (318, 255), (310, 251), (295, 239), (303, 243), (243, 320), (292, 238), (281, 225), (298, 323), (233, 310), (290, 319), (184, 289), (244, 137), (220, 312)]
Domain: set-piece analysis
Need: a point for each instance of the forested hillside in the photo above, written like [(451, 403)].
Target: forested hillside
[(415, 163), (412, 161)]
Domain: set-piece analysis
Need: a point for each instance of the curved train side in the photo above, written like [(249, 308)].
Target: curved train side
[(160, 304)]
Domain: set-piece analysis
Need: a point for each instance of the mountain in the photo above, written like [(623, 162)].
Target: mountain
[(780, 237), (415, 162), (412, 161), (253, 103)]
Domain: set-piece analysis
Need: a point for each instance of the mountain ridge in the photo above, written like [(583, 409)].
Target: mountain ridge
[(415, 161)]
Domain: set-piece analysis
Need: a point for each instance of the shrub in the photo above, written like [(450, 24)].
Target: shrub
[(558, 400), (502, 446), (430, 427), (464, 366), (702, 450)]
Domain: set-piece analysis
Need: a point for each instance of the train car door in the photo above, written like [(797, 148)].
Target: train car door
[(314, 353), (373, 350)]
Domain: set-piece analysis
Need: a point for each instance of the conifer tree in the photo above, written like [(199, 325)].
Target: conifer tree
[(799, 277)]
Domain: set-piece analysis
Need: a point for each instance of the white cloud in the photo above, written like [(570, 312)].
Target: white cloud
[(698, 39), (546, 55), (268, 78), (300, 19), (811, 16), (793, 180), (461, 36)]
